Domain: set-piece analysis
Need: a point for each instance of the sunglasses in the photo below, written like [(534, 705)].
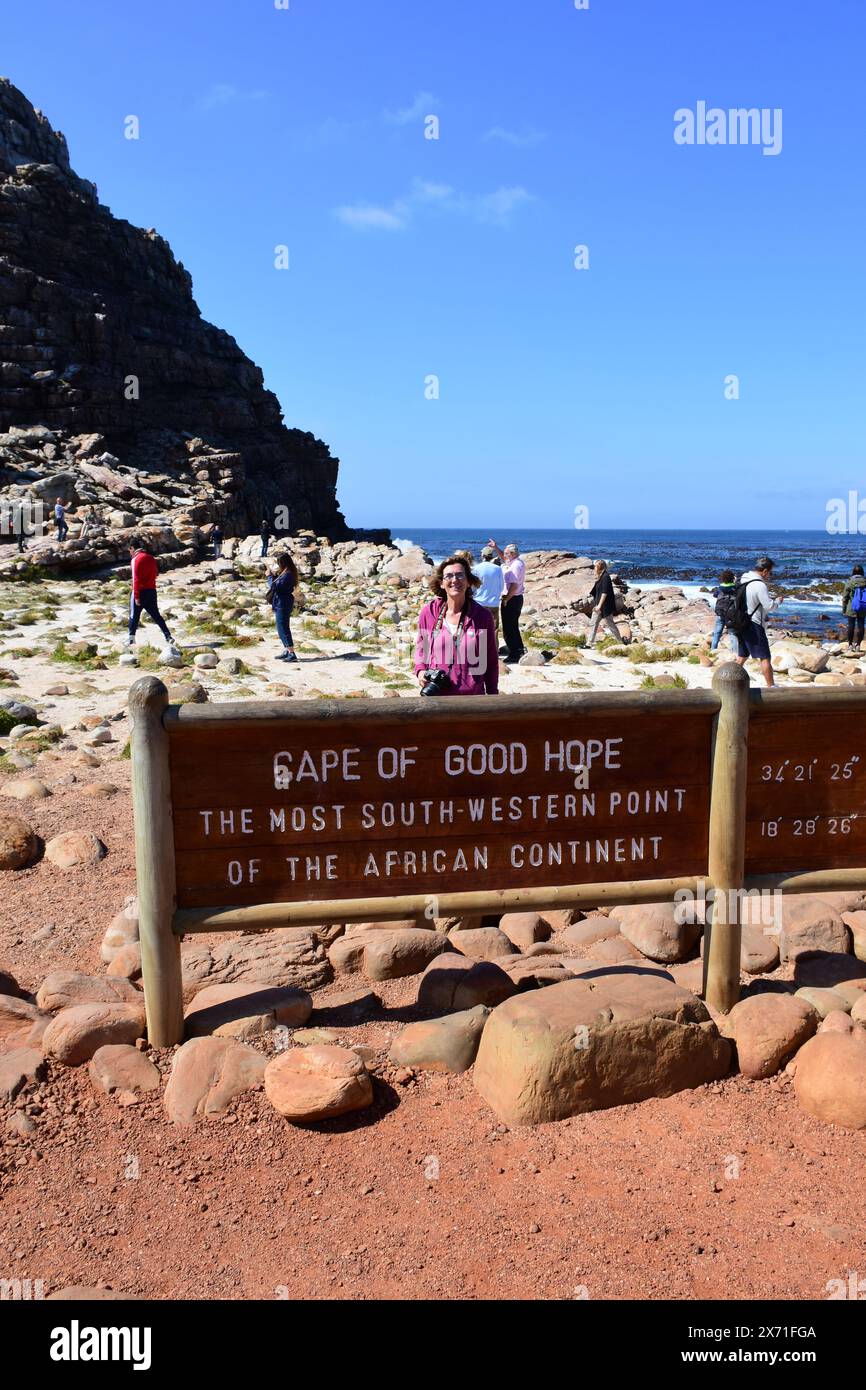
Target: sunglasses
[(454, 576)]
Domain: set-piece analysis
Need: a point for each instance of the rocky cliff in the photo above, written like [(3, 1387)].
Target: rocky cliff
[(113, 389)]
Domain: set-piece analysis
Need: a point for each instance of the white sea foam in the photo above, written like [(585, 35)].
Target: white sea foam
[(403, 545)]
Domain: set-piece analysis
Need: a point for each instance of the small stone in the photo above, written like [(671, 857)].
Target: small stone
[(119, 1067), (317, 1083), (446, 1044), (17, 1068), (26, 789), (127, 962), (74, 847), (206, 661), (314, 1037), (18, 844)]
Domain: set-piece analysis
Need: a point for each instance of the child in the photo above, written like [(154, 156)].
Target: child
[(727, 581)]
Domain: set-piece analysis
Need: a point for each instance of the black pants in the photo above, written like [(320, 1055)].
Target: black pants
[(858, 620), (265, 540), (511, 610), (146, 603)]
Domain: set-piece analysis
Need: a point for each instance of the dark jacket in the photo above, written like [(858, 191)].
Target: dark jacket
[(604, 586), (855, 582), (281, 592)]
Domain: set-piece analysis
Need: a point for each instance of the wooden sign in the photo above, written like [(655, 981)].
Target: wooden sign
[(252, 816), (806, 796), (423, 802)]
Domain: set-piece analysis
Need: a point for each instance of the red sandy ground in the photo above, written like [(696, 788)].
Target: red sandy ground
[(626, 1203)]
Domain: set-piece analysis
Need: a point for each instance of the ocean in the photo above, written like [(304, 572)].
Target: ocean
[(692, 560)]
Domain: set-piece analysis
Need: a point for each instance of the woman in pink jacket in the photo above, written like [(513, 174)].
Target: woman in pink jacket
[(455, 653)]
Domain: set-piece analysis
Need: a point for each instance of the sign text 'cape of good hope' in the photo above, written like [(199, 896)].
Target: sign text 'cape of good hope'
[(295, 811)]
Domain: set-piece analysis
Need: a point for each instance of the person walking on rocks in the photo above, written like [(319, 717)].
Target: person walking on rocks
[(216, 536), (265, 533), (603, 604), (281, 596), (492, 586), (722, 594), (757, 605), (854, 607), (143, 596), (60, 520), (455, 650), (514, 575)]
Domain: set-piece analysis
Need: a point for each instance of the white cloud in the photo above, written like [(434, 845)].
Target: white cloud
[(422, 106), (496, 207), (224, 94), (363, 216), (424, 192), (499, 205), (523, 139)]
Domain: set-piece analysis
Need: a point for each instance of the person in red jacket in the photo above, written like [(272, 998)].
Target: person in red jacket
[(143, 597)]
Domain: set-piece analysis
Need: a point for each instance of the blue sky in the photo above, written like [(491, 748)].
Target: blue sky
[(454, 257)]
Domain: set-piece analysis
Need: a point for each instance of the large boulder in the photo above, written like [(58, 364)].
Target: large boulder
[(389, 955), (811, 925), (317, 1083), (441, 1044), (662, 931), (245, 1012), (206, 1076), (768, 1029), (830, 1081), (589, 1044), (76, 1033)]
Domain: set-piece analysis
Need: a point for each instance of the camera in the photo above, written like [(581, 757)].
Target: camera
[(435, 683)]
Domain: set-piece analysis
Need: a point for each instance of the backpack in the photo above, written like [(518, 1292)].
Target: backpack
[(731, 608), (858, 599)]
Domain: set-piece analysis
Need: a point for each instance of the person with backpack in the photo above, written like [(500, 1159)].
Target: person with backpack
[(281, 597), (751, 606), (722, 591), (854, 607)]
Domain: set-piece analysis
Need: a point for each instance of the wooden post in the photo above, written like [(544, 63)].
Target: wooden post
[(727, 838), (154, 863)]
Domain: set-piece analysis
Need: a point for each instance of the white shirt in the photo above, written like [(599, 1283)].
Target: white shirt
[(758, 600)]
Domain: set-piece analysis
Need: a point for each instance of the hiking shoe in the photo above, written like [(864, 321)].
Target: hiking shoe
[(281, 656), (290, 656)]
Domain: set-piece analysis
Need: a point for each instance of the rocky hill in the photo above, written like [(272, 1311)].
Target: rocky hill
[(113, 390)]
